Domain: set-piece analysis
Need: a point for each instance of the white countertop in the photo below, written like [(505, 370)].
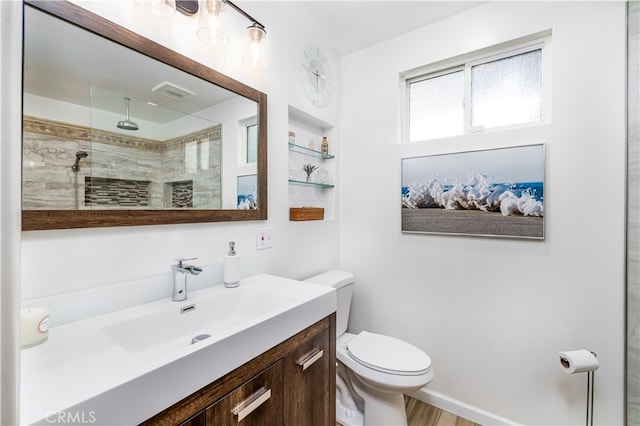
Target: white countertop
[(82, 375)]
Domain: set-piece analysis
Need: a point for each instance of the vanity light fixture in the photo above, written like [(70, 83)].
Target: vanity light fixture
[(159, 8), (213, 30), (213, 24), (255, 52)]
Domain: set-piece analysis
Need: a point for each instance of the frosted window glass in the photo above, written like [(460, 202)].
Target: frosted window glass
[(507, 91), (252, 143), (436, 107)]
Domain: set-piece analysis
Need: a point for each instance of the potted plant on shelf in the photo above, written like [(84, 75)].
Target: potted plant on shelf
[(308, 169)]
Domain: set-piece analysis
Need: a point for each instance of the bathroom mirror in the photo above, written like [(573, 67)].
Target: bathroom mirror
[(121, 131)]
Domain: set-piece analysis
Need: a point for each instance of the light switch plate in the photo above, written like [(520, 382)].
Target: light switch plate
[(264, 238)]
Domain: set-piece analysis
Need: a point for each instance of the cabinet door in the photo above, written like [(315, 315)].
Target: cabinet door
[(258, 402), (308, 393)]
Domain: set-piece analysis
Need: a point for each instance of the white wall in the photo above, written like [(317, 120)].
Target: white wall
[(55, 262), (493, 313)]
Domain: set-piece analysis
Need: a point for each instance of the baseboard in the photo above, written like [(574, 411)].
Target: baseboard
[(459, 408)]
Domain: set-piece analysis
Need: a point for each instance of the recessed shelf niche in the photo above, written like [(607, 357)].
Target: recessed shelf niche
[(305, 139)]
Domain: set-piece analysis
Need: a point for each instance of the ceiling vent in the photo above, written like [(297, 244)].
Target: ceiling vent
[(172, 91)]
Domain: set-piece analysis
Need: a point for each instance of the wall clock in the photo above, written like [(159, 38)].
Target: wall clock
[(315, 73)]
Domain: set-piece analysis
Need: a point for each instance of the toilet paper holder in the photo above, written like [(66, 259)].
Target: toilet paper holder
[(582, 361), (566, 363)]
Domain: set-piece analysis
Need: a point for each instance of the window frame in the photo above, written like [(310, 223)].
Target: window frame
[(465, 62)]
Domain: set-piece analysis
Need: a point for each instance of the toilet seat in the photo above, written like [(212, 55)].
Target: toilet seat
[(388, 355), (381, 380)]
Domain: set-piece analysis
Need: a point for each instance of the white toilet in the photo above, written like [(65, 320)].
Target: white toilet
[(374, 371)]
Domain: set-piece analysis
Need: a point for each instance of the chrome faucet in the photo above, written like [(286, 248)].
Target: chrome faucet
[(180, 272)]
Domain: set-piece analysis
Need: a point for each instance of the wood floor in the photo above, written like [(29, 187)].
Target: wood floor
[(421, 414)]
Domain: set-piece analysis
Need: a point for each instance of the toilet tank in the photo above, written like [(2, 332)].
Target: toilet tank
[(343, 282)]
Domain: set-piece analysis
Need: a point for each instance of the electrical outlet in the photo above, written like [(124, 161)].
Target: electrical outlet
[(264, 238)]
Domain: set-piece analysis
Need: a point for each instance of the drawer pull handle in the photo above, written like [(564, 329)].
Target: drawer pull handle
[(311, 359), (247, 406)]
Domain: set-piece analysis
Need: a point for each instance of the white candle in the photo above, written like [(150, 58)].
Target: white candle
[(34, 326)]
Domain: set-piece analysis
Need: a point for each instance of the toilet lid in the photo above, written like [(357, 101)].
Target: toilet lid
[(388, 354)]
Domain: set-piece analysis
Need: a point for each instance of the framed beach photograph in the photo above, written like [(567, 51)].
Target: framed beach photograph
[(495, 192), (247, 192)]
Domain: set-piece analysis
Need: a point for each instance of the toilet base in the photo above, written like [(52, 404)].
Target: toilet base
[(347, 416), (380, 408)]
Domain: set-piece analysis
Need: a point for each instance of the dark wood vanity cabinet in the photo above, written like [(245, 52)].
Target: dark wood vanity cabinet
[(256, 403), (199, 419), (292, 383), (308, 395)]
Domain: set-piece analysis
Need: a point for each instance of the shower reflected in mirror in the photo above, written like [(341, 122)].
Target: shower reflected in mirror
[(76, 168), (79, 155), (169, 170), (127, 124)]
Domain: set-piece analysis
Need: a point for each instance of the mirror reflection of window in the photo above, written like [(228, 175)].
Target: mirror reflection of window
[(251, 136), (248, 149)]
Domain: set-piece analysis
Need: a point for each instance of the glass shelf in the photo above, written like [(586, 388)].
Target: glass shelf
[(309, 151), (318, 185)]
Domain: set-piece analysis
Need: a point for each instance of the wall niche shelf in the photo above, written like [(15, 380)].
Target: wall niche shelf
[(316, 184), (305, 138), (309, 151)]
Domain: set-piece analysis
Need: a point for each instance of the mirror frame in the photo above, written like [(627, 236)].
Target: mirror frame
[(66, 219)]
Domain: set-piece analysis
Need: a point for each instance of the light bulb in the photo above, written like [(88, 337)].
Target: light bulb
[(158, 8), (213, 23), (255, 52)]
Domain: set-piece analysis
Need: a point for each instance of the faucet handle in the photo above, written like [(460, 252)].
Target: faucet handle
[(182, 259)]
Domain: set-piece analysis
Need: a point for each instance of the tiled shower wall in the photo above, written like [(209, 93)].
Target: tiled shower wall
[(633, 216), (49, 151)]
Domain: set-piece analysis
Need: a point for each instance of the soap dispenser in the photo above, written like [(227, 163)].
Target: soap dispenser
[(232, 267)]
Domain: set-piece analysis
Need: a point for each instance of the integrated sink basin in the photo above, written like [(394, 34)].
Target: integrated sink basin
[(157, 353), (215, 313)]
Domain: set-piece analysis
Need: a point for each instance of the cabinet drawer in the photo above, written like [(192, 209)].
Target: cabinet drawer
[(308, 388), (257, 402)]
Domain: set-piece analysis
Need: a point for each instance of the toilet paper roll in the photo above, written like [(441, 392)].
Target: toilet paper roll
[(578, 361)]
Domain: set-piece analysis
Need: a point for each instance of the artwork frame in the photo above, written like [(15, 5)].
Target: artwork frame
[(495, 192)]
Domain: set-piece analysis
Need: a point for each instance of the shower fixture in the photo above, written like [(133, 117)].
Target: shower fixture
[(79, 155), (76, 168), (127, 124)]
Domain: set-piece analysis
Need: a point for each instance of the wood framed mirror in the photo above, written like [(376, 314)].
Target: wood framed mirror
[(90, 157)]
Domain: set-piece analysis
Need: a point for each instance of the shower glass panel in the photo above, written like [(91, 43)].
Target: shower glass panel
[(633, 216)]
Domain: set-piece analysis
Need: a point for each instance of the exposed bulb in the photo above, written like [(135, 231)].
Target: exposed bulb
[(254, 56), (213, 24)]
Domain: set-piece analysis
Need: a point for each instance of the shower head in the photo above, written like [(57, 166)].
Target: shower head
[(127, 124), (79, 155)]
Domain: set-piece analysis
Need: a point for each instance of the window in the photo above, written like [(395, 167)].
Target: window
[(251, 136), (436, 106), (497, 89), (507, 91), (248, 142)]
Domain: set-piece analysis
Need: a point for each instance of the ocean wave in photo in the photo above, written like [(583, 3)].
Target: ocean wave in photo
[(477, 192)]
